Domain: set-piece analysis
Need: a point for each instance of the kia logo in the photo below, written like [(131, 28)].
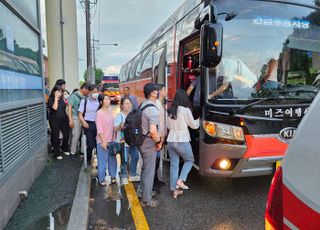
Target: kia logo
[(287, 133)]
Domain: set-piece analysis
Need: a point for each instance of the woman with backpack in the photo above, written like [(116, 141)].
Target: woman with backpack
[(179, 119), (126, 107), (105, 136)]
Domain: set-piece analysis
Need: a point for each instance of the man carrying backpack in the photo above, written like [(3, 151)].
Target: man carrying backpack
[(150, 121), (74, 122), (87, 115)]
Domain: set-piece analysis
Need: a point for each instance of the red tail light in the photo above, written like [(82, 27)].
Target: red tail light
[(274, 210)]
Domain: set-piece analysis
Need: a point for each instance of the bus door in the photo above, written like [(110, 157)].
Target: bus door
[(189, 75), (159, 71), (189, 70)]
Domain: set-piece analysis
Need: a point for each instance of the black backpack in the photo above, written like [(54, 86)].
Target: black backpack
[(132, 127)]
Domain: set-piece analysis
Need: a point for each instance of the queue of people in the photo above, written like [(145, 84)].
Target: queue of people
[(89, 111)]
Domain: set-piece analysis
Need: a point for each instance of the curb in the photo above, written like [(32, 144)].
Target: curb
[(79, 216)]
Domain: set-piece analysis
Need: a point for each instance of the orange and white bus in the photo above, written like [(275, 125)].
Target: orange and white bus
[(257, 64), (111, 88)]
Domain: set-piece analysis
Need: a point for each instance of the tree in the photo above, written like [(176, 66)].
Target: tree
[(98, 75)]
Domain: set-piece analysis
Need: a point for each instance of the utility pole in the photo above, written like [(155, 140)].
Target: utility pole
[(94, 51), (91, 77)]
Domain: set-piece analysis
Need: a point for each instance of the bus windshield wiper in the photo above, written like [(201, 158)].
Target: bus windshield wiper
[(241, 109)]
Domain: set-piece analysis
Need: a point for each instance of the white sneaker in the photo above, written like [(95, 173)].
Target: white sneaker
[(134, 178), (66, 153), (108, 180), (59, 157), (124, 180)]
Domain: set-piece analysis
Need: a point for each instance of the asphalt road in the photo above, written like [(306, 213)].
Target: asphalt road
[(209, 204), (212, 204)]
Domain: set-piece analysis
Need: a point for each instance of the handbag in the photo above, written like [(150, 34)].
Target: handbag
[(115, 148)]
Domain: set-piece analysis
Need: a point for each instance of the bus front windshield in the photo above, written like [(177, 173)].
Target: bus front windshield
[(269, 50)]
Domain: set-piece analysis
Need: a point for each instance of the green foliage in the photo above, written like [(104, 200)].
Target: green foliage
[(98, 75), (81, 82)]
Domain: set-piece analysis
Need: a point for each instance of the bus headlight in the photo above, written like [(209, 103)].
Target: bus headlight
[(215, 129), (224, 164)]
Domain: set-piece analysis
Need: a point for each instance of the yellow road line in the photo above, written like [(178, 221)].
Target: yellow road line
[(137, 213)]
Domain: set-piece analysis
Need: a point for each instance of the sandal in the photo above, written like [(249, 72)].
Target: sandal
[(103, 183), (181, 185), (152, 203), (177, 193)]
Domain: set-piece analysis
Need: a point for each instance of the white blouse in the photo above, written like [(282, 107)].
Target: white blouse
[(179, 128)]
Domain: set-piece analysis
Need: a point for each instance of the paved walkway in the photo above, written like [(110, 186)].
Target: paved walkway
[(50, 197)]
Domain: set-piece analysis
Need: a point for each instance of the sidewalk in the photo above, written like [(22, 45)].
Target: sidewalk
[(50, 198)]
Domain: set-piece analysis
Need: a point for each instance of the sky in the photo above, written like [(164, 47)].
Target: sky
[(126, 22)]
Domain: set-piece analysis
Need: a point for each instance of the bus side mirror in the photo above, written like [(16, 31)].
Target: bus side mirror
[(211, 44)]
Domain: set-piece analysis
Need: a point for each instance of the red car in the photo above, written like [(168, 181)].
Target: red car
[(294, 196)]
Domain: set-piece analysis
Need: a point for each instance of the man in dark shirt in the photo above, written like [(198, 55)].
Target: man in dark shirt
[(126, 93)]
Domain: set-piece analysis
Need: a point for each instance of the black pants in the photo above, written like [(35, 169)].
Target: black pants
[(57, 124), (91, 134)]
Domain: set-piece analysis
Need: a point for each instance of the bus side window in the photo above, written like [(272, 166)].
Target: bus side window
[(146, 66)]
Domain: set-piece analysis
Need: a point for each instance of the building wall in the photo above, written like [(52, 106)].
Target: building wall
[(23, 132), (62, 41)]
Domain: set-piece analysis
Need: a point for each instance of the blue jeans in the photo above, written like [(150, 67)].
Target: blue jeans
[(134, 156), (104, 159), (177, 150)]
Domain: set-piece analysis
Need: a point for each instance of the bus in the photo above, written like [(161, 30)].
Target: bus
[(257, 64), (111, 88)]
